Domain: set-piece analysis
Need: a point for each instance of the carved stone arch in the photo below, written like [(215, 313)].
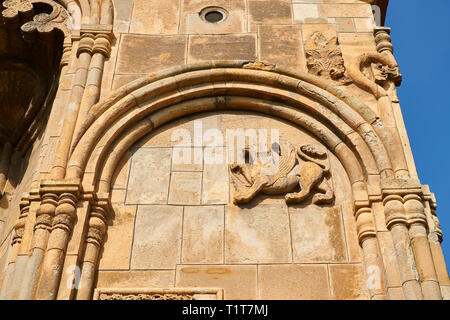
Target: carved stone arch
[(346, 126), (206, 80)]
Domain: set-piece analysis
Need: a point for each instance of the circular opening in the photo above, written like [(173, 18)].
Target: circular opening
[(214, 16)]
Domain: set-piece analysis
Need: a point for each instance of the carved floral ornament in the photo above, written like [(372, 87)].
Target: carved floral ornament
[(43, 17)]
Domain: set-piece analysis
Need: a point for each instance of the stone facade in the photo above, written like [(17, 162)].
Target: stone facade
[(91, 137)]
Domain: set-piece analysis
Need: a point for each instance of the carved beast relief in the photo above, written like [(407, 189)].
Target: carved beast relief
[(304, 167)]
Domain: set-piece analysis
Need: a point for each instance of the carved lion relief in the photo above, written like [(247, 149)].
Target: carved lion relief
[(324, 58), (298, 167)]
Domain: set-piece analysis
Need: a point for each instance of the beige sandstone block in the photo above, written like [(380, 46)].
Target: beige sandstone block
[(216, 184), (235, 22), (147, 54), (348, 282), (157, 237), (269, 12), (282, 46), (116, 251), (222, 47), (257, 234), (317, 234), (302, 12), (238, 282), (365, 24), (122, 10), (293, 282), (149, 176), (155, 17), (396, 293), (135, 279), (187, 159), (185, 188), (203, 231), (345, 25), (346, 10)]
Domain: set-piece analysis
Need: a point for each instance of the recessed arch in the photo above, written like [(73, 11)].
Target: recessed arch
[(344, 124)]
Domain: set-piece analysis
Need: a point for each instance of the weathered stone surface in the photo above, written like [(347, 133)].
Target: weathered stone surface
[(258, 234), (203, 232), (282, 46), (238, 282), (223, 47), (146, 54), (347, 282), (216, 184), (149, 176), (317, 235), (185, 188), (157, 237), (117, 248), (136, 279), (155, 17), (293, 282)]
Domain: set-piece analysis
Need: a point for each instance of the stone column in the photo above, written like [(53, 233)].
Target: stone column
[(62, 152), (10, 286), (423, 257), (42, 229), (52, 265), (94, 242), (101, 51), (435, 238), (397, 223), (371, 251)]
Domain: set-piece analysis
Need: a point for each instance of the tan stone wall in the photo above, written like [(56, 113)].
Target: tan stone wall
[(175, 226)]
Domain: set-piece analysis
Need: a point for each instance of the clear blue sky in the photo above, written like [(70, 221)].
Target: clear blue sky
[(421, 37)]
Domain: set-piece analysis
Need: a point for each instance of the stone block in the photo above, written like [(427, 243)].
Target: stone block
[(317, 234), (136, 279), (116, 251), (282, 46), (157, 237), (269, 12), (257, 234), (293, 282), (149, 176), (203, 231), (348, 282), (187, 159), (238, 282), (216, 182), (155, 17), (147, 54), (222, 47), (185, 188)]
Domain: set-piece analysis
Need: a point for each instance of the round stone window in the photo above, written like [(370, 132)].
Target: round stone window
[(213, 14)]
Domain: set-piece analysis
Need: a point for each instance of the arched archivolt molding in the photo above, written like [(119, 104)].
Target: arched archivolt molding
[(345, 125), (340, 121)]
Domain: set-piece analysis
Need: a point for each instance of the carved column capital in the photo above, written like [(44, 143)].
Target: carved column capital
[(46, 212), (415, 211), (394, 211), (86, 43), (97, 225), (19, 227), (365, 224), (383, 39), (65, 212)]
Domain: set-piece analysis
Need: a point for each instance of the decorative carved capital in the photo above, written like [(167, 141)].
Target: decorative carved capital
[(415, 211), (383, 39), (394, 211), (66, 212), (97, 225), (46, 211), (19, 227), (365, 224)]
